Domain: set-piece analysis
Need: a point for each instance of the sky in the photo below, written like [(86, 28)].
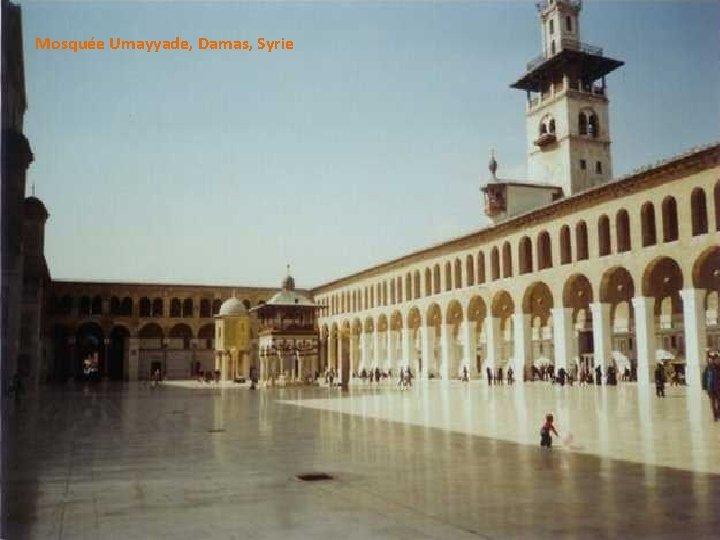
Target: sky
[(370, 139)]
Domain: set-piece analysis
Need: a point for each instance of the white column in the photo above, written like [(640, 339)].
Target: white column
[(332, 352), (447, 352), (469, 339), (602, 347), (353, 352), (493, 341), (375, 360), (390, 364), (523, 344), (695, 325), (563, 336), (406, 337), (364, 351), (645, 337), (428, 338)]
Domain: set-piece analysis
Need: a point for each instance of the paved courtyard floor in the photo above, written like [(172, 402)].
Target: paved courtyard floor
[(441, 460)]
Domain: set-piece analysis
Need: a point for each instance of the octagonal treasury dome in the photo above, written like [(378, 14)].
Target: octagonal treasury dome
[(232, 307)]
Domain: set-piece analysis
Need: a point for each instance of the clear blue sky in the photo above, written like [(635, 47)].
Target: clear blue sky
[(367, 141)]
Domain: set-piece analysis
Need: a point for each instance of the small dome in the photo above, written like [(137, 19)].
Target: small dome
[(232, 306), (35, 209), (289, 298)]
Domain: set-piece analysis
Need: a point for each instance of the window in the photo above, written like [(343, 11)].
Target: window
[(565, 245), (698, 208), (670, 220), (598, 167), (544, 251), (593, 127), (568, 23), (582, 124), (647, 224), (603, 236), (583, 165), (551, 27), (622, 227), (581, 239), (525, 255), (551, 126), (552, 48)]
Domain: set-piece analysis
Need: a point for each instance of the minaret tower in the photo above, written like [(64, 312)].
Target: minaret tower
[(568, 129)]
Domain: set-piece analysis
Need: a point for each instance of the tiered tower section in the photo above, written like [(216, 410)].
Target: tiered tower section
[(568, 128)]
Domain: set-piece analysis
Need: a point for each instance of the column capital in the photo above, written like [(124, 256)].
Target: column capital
[(692, 293), (640, 301)]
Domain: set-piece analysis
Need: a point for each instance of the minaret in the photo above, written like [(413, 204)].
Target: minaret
[(568, 129)]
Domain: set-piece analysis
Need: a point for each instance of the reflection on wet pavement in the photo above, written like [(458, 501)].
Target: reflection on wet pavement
[(438, 461)]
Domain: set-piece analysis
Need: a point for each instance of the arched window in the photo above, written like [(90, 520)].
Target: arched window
[(157, 307), (398, 287), (97, 305), (126, 306), (551, 126), (114, 306), (544, 251), (507, 260), (392, 291), (205, 310), (408, 287), (480, 267), (385, 293), (448, 276), (568, 23), (543, 128), (698, 210), (145, 307), (495, 263), (565, 245), (622, 229), (428, 282), (670, 219), (647, 224), (372, 296), (581, 241), (458, 274), (525, 255), (416, 285), (436, 279), (175, 308), (604, 236), (470, 270), (716, 196)]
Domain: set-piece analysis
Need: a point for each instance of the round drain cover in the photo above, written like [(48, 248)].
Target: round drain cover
[(314, 476)]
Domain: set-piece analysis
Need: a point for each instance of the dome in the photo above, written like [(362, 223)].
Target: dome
[(288, 283), (35, 209), (289, 298), (232, 307)]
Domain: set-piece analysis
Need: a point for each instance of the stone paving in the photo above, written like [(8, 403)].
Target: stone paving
[(448, 460)]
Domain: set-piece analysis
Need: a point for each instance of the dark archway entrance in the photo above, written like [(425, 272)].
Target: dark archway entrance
[(90, 347), (63, 362), (118, 350)]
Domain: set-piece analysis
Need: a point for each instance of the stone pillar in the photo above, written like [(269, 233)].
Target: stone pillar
[(469, 339), (428, 342), (645, 337), (375, 360), (365, 351), (406, 337), (523, 344), (493, 340), (564, 337), (695, 324), (390, 364), (263, 366), (602, 347), (447, 353)]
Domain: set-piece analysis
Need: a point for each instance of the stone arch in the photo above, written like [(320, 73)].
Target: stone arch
[(118, 352), (428, 282), (396, 321), (495, 263), (448, 276), (616, 286), (414, 318), (179, 336), (437, 287), (502, 305), (604, 245), (507, 260), (90, 344), (477, 310), (481, 267), (416, 285), (470, 270), (538, 301), (706, 270), (454, 312), (382, 324), (175, 308), (577, 295), (369, 325)]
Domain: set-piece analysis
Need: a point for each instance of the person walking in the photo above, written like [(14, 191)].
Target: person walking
[(711, 383), (510, 377), (659, 381), (465, 375), (488, 370)]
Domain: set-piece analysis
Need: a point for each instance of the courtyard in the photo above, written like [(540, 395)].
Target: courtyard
[(440, 460)]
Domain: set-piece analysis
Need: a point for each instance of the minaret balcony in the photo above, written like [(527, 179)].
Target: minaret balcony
[(545, 139)]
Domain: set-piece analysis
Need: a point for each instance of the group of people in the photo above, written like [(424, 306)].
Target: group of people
[(496, 377), (372, 375)]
